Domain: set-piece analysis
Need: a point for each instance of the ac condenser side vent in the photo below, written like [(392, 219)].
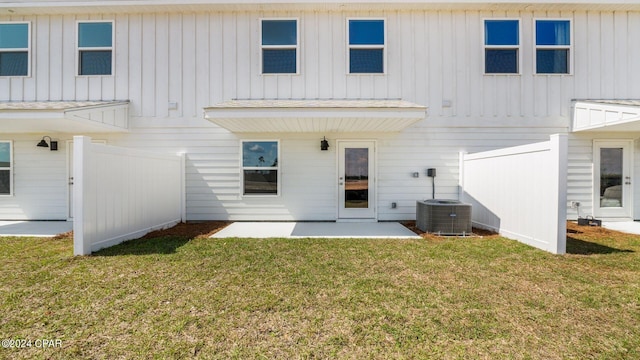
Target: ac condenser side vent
[(445, 217)]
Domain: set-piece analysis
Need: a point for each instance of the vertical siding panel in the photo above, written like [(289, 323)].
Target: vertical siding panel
[(594, 54), (620, 68), (607, 55), (69, 62), (435, 64), (229, 52), (447, 40), (257, 84), (475, 67), (310, 53), (297, 83), (243, 38), (461, 64), (216, 55), (43, 59), (121, 84), (419, 93), (202, 61), (162, 66), (189, 63), (107, 90), (175, 63), (567, 85), (55, 57), (28, 84), (326, 54), (149, 65), (338, 46), (135, 64), (633, 56), (581, 56)]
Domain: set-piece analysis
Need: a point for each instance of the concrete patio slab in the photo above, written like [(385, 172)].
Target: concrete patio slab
[(629, 227), (34, 228), (368, 230)]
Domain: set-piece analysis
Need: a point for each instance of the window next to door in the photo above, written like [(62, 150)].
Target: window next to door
[(260, 168), (6, 168)]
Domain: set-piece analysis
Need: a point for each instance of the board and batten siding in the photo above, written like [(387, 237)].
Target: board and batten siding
[(434, 58)]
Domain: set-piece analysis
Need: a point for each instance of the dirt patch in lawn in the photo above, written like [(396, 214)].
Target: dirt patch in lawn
[(192, 230)]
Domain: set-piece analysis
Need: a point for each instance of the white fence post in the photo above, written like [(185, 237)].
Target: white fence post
[(559, 155), (83, 212)]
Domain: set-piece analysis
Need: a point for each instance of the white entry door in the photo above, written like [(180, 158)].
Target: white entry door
[(612, 178), (356, 180), (70, 174)]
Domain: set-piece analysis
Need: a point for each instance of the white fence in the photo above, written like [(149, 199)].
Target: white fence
[(520, 192), (121, 194)]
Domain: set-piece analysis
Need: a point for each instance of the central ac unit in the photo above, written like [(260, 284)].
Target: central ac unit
[(445, 217)]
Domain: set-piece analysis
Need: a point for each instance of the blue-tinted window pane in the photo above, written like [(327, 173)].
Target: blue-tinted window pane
[(261, 182), (501, 32), (95, 34), (366, 61), (14, 36), (366, 32), (260, 154), (5, 154), (501, 61), (95, 62), (279, 32), (553, 32), (552, 61), (279, 61), (5, 182), (14, 63)]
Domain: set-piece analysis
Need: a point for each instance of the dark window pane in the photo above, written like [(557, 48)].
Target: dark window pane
[(553, 32), (501, 61), (5, 182), (611, 172), (366, 32), (552, 61), (95, 62), (260, 181), (260, 154), (95, 34), (366, 61), (279, 61), (14, 36), (15, 63), (501, 32), (279, 32)]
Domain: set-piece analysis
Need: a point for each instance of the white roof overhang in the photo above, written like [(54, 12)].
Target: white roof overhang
[(64, 116), (37, 7), (295, 116), (606, 115)]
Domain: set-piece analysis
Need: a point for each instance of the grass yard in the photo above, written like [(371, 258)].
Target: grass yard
[(178, 295)]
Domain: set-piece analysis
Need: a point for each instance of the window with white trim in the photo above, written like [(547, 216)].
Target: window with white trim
[(553, 46), (366, 46), (279, 46), (502, 46), (15, 45), (6, 168), (95, 47), (260, 167)]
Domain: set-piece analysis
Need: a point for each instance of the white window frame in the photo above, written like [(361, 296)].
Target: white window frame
[(10, 168), (28, 48), (243, 168), (552, 47), (97, 48), (279, 47), (486, 47), (367, 47)]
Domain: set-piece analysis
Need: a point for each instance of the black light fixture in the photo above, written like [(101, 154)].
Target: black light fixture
[(324, 144), (43, 143)]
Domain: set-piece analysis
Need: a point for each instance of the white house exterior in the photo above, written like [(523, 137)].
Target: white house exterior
[(249, 89)]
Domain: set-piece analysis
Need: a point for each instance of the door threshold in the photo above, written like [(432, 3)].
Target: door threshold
[(357, 220)]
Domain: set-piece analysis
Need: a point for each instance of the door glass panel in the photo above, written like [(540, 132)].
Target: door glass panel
[(356, 174), (611, 177)]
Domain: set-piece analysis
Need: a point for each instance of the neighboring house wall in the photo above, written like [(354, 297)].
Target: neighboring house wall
[(434, 58)]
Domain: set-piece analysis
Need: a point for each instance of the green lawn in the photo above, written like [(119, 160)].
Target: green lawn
[(179, 297)]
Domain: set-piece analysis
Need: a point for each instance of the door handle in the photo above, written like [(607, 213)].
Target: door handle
[(71, 180)]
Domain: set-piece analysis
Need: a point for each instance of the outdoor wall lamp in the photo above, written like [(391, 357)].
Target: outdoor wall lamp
[(324, 144), (43, 143)]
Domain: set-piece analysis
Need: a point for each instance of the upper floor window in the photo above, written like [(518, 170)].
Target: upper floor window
[(279, 46), (366, 46), (260, 167), (6, 168), (15, 43), (501, 46), (95, 47), (553, 46)]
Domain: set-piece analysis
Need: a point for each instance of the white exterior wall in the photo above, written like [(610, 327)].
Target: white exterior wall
[(200, 59)]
